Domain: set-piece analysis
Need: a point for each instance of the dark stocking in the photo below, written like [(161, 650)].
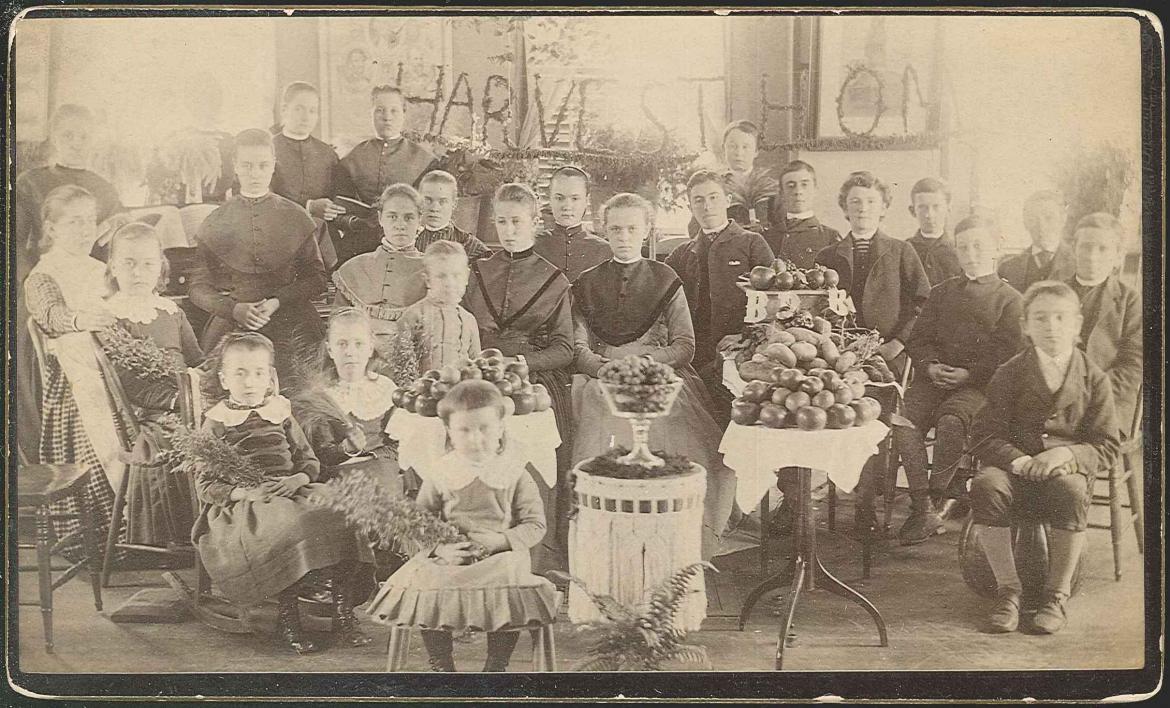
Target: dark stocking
[(500, 646), (439, 648)]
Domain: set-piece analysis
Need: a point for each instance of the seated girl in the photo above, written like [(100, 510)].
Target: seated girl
[(1048, 428), (486, 491), (633, 306), (64, 295), (158, 502), (260, 542), (450, 334)]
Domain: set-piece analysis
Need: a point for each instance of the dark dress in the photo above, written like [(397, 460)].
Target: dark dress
[(309, 169), (572, 250)]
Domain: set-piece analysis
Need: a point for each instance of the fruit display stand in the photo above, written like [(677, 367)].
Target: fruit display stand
[(755, 453), (422, 441)]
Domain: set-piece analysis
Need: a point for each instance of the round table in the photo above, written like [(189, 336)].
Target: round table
[(422, 441), (755, 453)]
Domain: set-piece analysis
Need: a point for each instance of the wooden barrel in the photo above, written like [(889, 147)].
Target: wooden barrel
[(629, 535)]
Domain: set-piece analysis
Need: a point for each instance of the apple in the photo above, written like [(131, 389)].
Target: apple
[(518, 368), (543, 398), (779, 395), (843, 393), (526, 387), (525, 403), (744, 412), (840, 416), (832, 278), (812, 385), (772, 415), (515, 378), (480, 362), (432, 374), (493, 373), (790, 379), (858, 388), (509, 406), (783, 281), (866, 408), (830, 379), (815, 278), (427, 406), (780, 266), (824, 400), (818, 362), (440, 389), (496, 361), (468, 373), (408, 399), (804, 351), (396, 397), (756, 391), (421, 387), (761, 277), (797, 400), (505, 387), (450, 375), (811, 418), (489, 353)]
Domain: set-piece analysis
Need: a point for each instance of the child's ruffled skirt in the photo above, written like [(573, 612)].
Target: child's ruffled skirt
[(497, 592)]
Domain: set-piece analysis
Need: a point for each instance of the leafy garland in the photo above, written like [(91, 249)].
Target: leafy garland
[(392, 522), (634, 641), (607, 465), (862, 143), (142, 357)]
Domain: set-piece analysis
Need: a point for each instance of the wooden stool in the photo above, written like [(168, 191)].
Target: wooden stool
[(544, 654), (37, 487)]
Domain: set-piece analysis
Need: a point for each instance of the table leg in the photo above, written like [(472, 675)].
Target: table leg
[(837, 587), (789, 609), (769, 583)]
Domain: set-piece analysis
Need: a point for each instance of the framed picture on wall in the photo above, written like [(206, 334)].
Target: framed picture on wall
[(359, 53)]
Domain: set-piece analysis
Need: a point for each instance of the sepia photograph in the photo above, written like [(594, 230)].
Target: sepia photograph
[(725, 353)]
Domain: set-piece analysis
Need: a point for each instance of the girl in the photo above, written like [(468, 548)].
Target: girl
[(257, 542), (385, 281), (486, 491), (450, 335), (158, 502), (64, 296), (633, 306)]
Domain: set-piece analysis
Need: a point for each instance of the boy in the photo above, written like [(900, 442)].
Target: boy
[(1112, 331), (969, 326), (888, 286), (568, 245), (930, 204), (1048, 427), (379, 162), (710, 264), (439, 191), (258, 266), (800, 235), (1048, 258), (450, 334)]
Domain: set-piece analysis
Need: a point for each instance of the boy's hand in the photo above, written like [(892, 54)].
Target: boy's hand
[(325, 208), (249, 315), (453, 553), (94, 319), (269, 307), (286, 486), (953, 376), (934, 372), (1050, 463), (355, 441), (491, 540)]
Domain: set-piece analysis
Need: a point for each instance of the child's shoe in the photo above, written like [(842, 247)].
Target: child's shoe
[(922, 523), (1051, 617), (1005, 613), (345, 624), (288, 620)]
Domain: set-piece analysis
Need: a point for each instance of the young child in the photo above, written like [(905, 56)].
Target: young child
[(258, 267), (888, 286), (1112, 331), (1048, 258), (438, 192), (930, 204), (1048, 427), (969, 326), (64, 295), (260, 542), (750, 189), (486, 491), (386, 281), (450, 334), (569, 245), (158, 501), (523, 306), (800, 235)]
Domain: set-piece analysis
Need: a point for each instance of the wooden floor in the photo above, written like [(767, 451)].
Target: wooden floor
[(933, 621)]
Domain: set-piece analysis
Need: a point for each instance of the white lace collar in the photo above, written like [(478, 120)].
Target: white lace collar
[(276, 409), (365, 400), (143, 309), (500, 472)]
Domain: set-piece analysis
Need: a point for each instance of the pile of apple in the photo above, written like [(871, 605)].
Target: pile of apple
[(784, 275), (812, 400), (520, 395)]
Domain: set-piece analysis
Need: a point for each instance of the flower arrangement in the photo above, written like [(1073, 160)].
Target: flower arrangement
[(391, 522), (189, 160), (610, 465), (641, 641), (142, 357), (202, 454)]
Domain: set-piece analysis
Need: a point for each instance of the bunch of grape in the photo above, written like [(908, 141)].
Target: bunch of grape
[(639, 384)]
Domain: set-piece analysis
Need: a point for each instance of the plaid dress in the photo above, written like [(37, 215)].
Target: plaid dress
[(63, 435)]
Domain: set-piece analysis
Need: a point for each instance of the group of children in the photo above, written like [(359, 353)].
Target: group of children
[(542, 301)]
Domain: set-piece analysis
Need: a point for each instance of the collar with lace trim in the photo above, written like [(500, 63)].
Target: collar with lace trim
[(367, 399), (500, 472), (140, 309), (276, 409)]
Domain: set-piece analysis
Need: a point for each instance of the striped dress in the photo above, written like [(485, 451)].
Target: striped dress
[(449, 333)]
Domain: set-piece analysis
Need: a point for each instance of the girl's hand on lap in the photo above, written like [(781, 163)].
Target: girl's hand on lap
[(453, 553), (491, 540), (287, 486)]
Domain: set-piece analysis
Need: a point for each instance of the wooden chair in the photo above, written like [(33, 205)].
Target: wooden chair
[(37, 488), (544, 657), (1126, 471)]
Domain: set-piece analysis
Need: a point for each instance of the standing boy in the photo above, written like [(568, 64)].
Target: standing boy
[(799, 236), (930, 204), (969, 326), (1047, 258), (569, 245), (1048, 427), (438, 192)]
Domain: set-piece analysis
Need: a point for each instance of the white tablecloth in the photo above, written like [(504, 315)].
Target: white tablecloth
[(422, 441), (732, 381), (756, 452)]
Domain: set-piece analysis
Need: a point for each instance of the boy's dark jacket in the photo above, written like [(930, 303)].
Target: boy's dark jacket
[(1021, 270), (896, 289), (1115, 343), (1022, 415)]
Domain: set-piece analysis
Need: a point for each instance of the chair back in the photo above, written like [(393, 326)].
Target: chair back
[(38, 337), (192, 217), (190, 398), (128, 430)]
